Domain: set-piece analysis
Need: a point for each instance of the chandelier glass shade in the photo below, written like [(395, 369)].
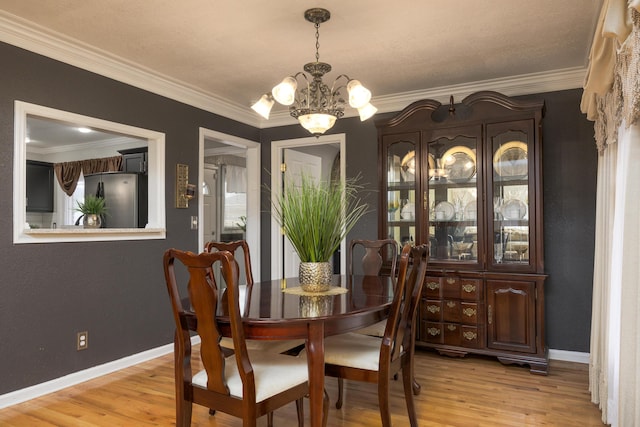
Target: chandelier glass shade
[(316, 105)]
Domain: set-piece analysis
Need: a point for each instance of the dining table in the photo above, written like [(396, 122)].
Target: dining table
[(281, 310)]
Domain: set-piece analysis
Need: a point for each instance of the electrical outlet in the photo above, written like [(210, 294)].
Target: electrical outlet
[(194, 222), (83, 340)]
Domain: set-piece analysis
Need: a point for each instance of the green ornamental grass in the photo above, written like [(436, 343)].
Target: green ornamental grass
[(311, 215), (92, 205)]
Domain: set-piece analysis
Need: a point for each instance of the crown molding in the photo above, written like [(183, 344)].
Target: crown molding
[(35, 38), (27, 35)]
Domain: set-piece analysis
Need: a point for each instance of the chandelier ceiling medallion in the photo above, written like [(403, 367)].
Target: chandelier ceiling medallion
[(315, 104)]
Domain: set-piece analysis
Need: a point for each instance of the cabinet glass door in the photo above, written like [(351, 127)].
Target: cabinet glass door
[(511, 206), (452, 197), (402, 174)]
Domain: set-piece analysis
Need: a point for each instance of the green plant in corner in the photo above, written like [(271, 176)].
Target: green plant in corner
[(317, 215), (92, 205)]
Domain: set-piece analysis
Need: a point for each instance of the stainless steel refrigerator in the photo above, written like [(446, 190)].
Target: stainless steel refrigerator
[(125, 196)]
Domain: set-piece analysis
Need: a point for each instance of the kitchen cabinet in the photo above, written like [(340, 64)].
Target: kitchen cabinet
[(39, 186), (467, 180), (134, 160)]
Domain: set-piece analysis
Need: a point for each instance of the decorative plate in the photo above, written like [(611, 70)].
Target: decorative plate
[(459, 163), (408, 166), (444, 211), (510, 160), (471, 211), (514, 209)]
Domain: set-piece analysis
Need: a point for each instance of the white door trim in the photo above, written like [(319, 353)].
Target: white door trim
[(253, 189), (276, 184)]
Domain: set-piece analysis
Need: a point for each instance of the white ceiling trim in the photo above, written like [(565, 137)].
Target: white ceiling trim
[(27, 35)]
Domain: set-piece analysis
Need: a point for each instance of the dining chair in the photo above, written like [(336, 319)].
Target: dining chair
[(247, 384), (374, 253), (372, 262), (359, 357), (240, 250)]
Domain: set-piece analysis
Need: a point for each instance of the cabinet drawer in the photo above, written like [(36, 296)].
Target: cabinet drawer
[(432, 287), (471, 313), (432, 332), (431, 310), (471, 289), (451, 311), (472, 336), (452, 333), (450, 287)]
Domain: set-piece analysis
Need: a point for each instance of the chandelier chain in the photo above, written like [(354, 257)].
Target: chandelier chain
[(317, 25)]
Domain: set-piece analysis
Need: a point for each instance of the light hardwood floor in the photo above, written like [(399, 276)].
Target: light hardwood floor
[(471, 391)]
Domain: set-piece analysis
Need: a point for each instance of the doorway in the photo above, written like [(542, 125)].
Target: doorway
[(229, 190), (325, 155)]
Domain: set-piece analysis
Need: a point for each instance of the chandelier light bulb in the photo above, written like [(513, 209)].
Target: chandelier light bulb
[(359, 96), (366, 111), (285, 91), (263, 106), (317, 123)]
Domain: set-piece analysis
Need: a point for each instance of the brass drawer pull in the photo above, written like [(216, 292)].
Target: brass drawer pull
[(469, 312), (470, 336), (433, 285), (433, 309), (433, 331), (451, 304), (469, 288), (451, 281), (452, 327)]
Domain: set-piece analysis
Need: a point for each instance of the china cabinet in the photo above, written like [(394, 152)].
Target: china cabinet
[(466, 179)]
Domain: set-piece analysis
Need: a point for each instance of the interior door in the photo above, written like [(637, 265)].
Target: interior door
[(210, 216), (297, 163)]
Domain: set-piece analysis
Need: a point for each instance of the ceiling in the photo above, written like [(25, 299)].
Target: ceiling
[(402, 51)]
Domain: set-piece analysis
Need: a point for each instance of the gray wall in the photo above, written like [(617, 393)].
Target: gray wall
[(116, 290)]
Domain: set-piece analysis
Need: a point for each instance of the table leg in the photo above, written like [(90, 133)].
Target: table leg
[(315, 361)]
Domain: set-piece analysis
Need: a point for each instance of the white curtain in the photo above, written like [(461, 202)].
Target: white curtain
[(626, 273), (612, 98), (236, 177)]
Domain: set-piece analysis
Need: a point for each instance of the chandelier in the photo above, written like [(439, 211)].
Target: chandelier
[(316, 105)]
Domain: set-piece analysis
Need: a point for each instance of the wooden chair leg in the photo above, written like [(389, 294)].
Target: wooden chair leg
[(212, 412), (408, 382), (383, 401), (183, 412), (416, 387), (340, 387), (270, 419), (325, 409), (300, 412)]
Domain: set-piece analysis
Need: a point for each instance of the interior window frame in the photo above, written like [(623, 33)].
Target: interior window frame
[(156, 227)]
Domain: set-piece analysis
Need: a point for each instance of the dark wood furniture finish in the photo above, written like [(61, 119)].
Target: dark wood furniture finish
[(349, 356), (271, 314), (467, 179), (240, 250), (214, 391), (377, 253), (40, 182)]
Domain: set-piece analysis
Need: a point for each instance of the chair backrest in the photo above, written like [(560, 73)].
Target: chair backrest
[(203, 297), (375, 253), (399, 331), (234, 248)]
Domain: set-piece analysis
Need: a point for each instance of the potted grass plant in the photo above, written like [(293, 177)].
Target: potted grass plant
[(93, 210), (316, 216)]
